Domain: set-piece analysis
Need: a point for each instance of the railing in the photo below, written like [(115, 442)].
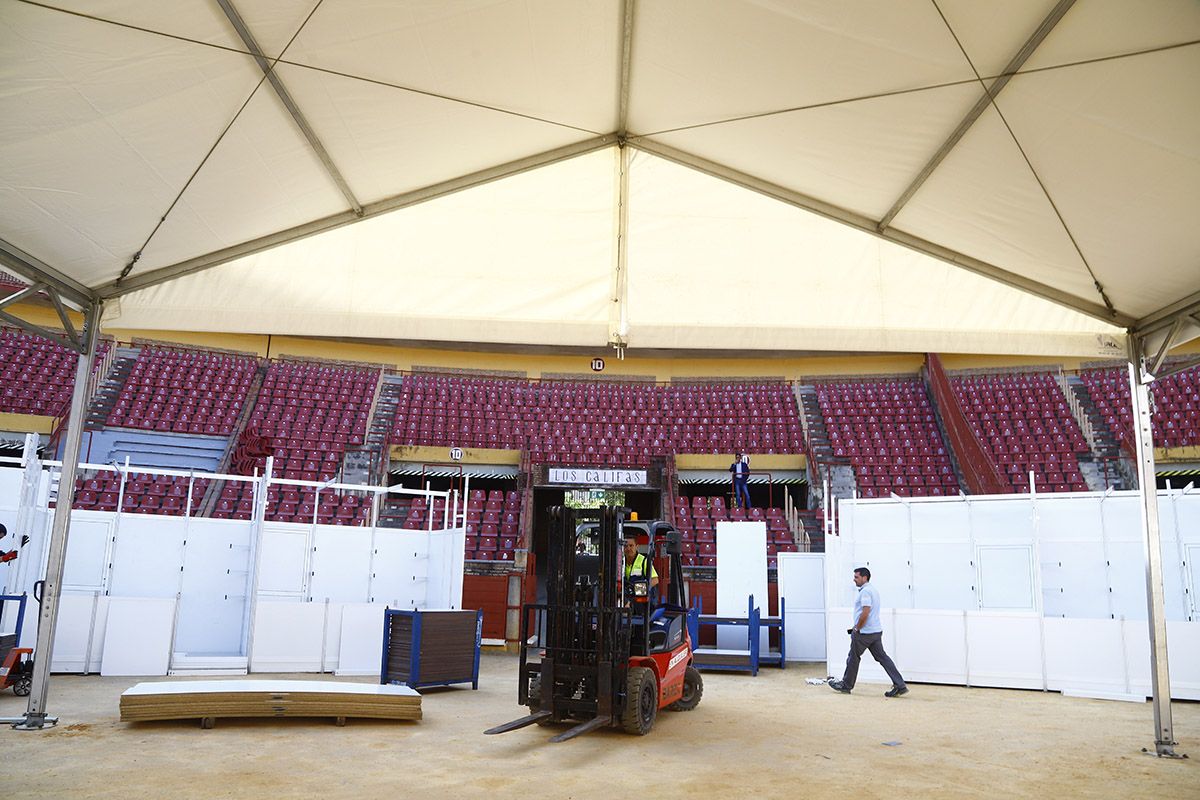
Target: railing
[(981, 474)]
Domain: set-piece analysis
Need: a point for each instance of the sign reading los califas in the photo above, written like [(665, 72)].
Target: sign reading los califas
[(598, 477)]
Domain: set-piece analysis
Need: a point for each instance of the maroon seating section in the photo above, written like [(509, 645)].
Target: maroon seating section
[(1025, 425), (620, 424), (11, 283), (144, 493), (493, 522), (887, 432), (697, 518), (311, 412), (1176, 418), (184, 391), (38, 374)]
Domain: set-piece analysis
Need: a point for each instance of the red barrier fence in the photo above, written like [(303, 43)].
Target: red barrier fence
[(980, 472)]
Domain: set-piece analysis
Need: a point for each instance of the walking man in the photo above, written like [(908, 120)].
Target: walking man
[(867, 634)]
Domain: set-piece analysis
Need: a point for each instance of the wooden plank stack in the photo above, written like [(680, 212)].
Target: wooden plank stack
[(432, 648), (209, 700)]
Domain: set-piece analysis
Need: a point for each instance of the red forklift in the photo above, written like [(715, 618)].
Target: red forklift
[(605, 650)]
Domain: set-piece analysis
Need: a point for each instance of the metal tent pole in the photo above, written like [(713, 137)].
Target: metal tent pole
[(35, 714), (1160, 681)]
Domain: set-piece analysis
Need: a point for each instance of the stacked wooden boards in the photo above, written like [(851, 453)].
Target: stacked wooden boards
[(209, 700), (431, 647)]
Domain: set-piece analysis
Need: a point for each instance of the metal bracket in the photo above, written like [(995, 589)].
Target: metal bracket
[(71, 339)]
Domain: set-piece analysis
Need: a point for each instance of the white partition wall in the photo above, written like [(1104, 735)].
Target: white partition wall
[(802, 592), (741, 573), (1044, 592), (147, 594)]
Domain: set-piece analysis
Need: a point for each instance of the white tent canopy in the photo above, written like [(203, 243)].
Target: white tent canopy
[(475, 144)]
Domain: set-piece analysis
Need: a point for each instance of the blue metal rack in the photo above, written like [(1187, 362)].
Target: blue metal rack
[(407, 643), (747, 660)]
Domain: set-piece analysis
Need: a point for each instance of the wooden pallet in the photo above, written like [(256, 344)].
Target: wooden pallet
[(209, 700)]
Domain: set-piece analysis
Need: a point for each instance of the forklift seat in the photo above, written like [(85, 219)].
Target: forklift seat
[(666, 631)]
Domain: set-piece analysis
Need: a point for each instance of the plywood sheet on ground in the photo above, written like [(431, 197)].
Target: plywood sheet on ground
[(267, 698)]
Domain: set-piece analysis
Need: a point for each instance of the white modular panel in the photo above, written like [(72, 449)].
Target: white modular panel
[(1005, 649), (1006, 577), (1086, 656), (943, 575), (1004, 519), (287, 636), (1193, 603), (10, 492), (1127, 575), (1074, 579), (360, 646), (212, 609), (802, 593), (146, 557), (1071, 517), (1183, 658), (876, 520), (929, 646), (401, 568), (137, 636), (741, 573), (446, 554), (87, 551), (940, 521), (341, 564), (79, 633), (283, 565), (1173, 568)]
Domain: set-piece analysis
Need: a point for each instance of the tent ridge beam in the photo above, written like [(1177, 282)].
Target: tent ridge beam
[(285, 97), (626, 60), (411, 198), (990, 92), (868, 225)]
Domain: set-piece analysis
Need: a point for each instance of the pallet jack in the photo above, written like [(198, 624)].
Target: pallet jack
[(605, 650)]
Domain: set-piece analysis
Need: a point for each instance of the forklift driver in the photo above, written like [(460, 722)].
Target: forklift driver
[(636, 565)]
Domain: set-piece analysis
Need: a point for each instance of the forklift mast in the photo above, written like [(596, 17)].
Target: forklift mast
[(597, 630)]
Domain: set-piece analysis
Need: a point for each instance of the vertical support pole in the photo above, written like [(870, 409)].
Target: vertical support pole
[(1160, 679), (35, 713), (257, 524), (618, 317)]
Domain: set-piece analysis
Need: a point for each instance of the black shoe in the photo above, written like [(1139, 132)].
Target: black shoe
[(838, 686), (896, 691)]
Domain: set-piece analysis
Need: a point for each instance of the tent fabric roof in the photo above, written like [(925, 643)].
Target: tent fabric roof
[(145, 155)]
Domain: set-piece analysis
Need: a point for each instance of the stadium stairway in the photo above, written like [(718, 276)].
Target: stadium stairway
[(842, 483), (109, 387), (1105, 446)]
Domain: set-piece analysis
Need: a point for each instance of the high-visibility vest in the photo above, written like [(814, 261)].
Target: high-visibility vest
[(637, 567)]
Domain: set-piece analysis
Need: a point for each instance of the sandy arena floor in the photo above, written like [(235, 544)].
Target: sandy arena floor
[(772, 736)]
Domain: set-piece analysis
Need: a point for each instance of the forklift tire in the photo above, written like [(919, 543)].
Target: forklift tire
[(22, 685), (693, 690), (535, 700), (641, 701)]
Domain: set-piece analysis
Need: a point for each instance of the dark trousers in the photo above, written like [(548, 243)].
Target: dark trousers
[(741, 494), (860, 642)]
